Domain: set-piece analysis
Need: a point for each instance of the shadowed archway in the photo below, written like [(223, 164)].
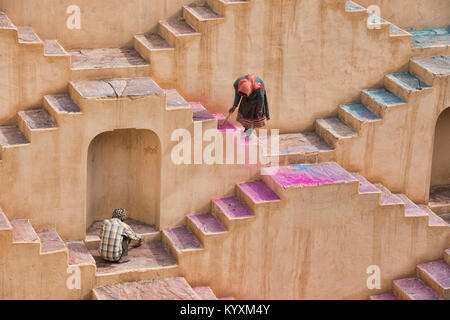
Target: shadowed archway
[(124, 171), (440, 172)]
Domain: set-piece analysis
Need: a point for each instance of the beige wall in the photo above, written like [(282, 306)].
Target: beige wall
[(124, 172), (104, 23), (440, 174), (309, 64), (413, 14), (27, 75)]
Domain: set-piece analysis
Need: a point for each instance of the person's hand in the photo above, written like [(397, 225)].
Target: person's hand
[(232, 110), (141, 242)]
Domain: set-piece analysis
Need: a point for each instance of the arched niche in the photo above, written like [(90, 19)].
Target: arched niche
[(124, 171)]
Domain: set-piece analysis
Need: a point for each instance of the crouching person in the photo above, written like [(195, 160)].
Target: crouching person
[(115, 238)]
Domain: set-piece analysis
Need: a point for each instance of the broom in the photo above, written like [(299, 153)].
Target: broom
[(229, 115)]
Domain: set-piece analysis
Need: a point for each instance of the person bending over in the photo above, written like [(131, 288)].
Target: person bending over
[(251, 98)]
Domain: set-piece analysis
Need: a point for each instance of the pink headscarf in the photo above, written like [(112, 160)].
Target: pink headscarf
[(249, 85)]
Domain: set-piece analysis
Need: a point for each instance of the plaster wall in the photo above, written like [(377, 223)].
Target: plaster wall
[(311, 54), (27, 75), (413, 14), (317, 243)]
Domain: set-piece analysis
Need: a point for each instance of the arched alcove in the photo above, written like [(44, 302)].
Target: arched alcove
[(440, 172), (124, 171)]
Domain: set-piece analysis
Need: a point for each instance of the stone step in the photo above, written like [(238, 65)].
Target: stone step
[(205, 293), (228, 126), (23, 232), (378, 100), (303, 147), (54, 48), (333, 130), (434, 219), (387, 197), (176, 28), (397, 32), (175, 101), (5, 225), (181, 240), (196, 15), (405, 84), (26, 35), (107, 63), (364, 185), (205, 224), (5, 23), (200, 113), (37, 119), (116, 88), (351, 6), (79, 255), (256, 193), (411, 209), (447, 256), (61, 104), (150, 256), (153, 41), (357, 115), (159, 289), (51, 241), (439, 201), (231, 210), (146, 231), (431, 42), (414, 289), (436, 274), (430, 68), (11, 136), (384, 296), (309, 175)]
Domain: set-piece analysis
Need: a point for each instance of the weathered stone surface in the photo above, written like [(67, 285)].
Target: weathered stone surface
[(207, 223), (200, 113), (258, 192), (4, 221), (387, 197), (431, 37), (11, 135), (117, 88), (27, 35), (150, 255), (182, 239), (154, 41), (311, 175), (50, 241), (175, 100), (179, 26), (63, 104), (364, 185), (233, 208), (160, 289), (23, 231), (78, 253), (204, 12), (105, 58), (53, 48), (37, 119), (415, 289)]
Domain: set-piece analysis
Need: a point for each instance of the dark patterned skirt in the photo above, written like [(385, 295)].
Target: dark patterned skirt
[(250, 116)]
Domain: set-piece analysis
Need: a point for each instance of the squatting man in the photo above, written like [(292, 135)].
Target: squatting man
[(116, 237)]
